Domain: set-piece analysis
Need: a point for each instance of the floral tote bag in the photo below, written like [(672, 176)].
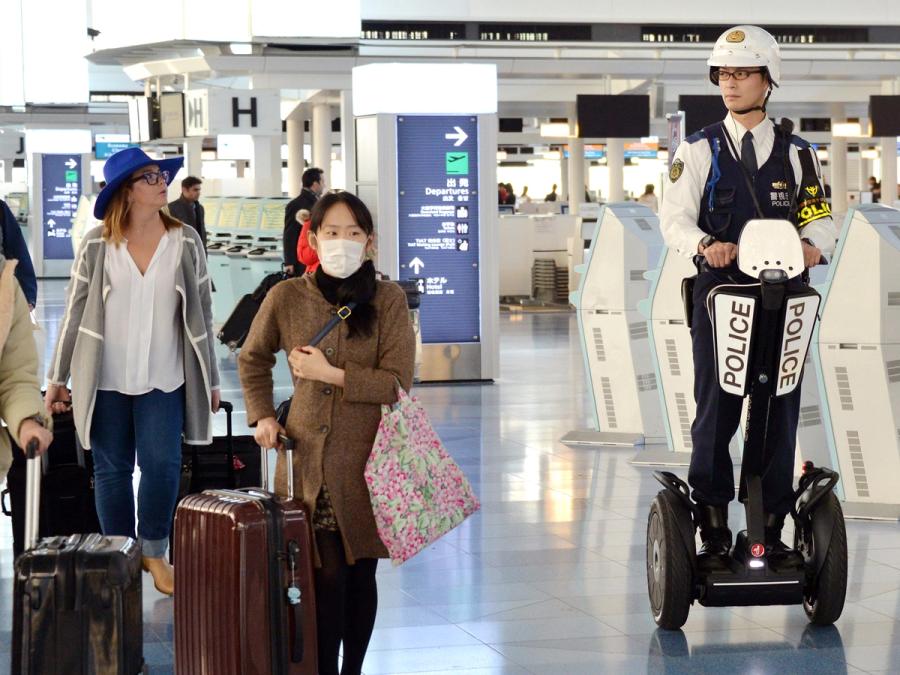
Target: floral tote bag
[(418, 492)]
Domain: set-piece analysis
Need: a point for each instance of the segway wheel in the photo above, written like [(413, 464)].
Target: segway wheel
[(669, 566), (823, 599)]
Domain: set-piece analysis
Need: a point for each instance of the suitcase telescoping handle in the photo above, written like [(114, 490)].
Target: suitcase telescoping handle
[(289, 452), (32, 494)]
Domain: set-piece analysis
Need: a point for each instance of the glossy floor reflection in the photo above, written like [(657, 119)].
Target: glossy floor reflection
[(549, 576)]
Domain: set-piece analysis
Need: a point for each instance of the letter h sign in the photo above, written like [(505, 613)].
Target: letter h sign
[(237, 112)]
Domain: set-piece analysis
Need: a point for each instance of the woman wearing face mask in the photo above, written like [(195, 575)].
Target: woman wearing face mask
[(338, 392)]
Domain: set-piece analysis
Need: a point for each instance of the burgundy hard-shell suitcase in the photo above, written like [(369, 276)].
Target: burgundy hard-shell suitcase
[(244, 597), (77, 600)]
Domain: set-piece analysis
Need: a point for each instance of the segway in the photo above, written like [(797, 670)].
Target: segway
[(762, 332)]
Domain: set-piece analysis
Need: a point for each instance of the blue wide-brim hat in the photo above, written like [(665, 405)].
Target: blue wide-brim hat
[(120, 166)]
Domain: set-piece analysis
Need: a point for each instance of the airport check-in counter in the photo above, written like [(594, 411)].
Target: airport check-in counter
[(218, 260), (615, 336), (242, 280), (524, 239), (859, 350), (266, 257)]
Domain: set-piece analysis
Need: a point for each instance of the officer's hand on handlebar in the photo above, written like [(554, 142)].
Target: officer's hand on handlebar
[(812, 256), (720, 254)]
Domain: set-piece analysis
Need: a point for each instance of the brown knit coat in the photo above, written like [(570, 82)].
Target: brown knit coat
[(334, 428)]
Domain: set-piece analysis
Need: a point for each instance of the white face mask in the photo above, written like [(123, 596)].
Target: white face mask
[(340, 257)]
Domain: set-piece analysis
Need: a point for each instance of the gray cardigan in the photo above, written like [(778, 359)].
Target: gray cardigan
[(80, 338)]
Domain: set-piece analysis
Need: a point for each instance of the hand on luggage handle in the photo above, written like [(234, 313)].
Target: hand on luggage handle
[(289, 456)]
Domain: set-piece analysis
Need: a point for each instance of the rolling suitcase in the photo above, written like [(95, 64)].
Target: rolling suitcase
[(237, 326), (67, 487), (77, 600), (228, 462), (245, 601)]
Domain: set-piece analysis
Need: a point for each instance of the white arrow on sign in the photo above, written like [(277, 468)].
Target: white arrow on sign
[(71, 163), (460, 137), (416, 265), (51, 222)]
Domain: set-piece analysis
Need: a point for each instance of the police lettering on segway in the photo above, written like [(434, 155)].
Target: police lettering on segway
[(745, 200)]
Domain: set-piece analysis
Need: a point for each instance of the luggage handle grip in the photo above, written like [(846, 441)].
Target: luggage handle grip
[(32, 494), (289, 452)]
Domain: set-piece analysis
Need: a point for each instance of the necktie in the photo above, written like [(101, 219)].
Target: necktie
[(748, 154)]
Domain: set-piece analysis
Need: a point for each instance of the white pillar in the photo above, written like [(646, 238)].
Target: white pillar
[(321, 145), (295, 123), (615, 162), (348, 140), (576, 174), (837, 158), (193, 151), (8, 169), (888, 171), (267, 166)]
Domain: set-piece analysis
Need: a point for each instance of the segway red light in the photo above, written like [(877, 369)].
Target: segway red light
[(757, 550)]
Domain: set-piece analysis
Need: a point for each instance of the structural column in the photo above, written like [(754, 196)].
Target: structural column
[(267, 166), (8, 170), (348, 140), (575, 172), (321, 142), (615, 162), (295, 164), (888, 171), (193, 156)]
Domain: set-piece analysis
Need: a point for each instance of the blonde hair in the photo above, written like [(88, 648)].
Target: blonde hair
[(116, 217)]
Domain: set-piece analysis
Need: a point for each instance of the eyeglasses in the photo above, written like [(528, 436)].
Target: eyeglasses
[(152, 177), (740, 74)]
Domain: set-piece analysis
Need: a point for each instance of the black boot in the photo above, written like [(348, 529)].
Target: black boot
[(715, 535), (777, 551)]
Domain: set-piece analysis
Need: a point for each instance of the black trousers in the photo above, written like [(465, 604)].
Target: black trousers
[(711, 474)]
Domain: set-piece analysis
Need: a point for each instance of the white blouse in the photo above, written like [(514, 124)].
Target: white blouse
[(142, 345)]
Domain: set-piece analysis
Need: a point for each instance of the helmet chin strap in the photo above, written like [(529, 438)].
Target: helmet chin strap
[(756, 107)]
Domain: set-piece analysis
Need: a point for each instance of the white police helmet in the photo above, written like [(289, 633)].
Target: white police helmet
[(746, 46)]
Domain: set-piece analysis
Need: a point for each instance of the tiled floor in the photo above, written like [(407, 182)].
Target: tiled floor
[(549, 576)]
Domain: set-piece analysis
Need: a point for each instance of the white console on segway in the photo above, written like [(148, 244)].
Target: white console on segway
[(733, 308)]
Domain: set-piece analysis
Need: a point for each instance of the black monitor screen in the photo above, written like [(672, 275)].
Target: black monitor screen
[(884, 114), (623, 116), (701, 111)]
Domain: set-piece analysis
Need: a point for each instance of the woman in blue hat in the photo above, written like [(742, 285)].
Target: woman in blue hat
[(136, 341)]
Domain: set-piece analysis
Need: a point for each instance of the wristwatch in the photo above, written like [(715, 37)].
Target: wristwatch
[(706, 242), (40, 419), (809, 241)]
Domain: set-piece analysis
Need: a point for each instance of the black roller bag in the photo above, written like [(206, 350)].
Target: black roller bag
[(67, 487), (77, 600), (236, 327)]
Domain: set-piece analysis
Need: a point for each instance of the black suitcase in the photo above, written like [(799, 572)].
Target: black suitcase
[(236, 327), (77, 600), (67, 487), (228, 463)]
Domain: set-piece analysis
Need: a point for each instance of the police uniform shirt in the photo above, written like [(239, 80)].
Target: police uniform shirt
[(680, 211)]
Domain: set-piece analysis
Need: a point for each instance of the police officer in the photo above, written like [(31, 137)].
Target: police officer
[(720, 178)]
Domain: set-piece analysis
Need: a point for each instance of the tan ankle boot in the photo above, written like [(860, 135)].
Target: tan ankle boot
[(162, 572)]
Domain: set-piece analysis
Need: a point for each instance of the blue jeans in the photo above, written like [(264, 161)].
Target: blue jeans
[(150, 426)]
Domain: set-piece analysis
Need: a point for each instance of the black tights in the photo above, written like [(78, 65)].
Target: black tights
[(346, 603)]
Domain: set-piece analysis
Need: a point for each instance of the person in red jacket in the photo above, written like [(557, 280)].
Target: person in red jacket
[(306, 254)]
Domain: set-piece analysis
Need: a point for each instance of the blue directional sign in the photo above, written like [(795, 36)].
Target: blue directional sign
[(61, 190), (437, 179)]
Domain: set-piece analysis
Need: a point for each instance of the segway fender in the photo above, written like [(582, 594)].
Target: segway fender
[(677, 497), (822, 522)]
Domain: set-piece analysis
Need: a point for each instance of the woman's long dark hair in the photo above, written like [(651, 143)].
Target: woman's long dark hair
[(360, 286)]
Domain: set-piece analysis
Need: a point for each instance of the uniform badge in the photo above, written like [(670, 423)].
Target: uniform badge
[(812, 190), (735, 36), (676, 170), (779, 185)]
